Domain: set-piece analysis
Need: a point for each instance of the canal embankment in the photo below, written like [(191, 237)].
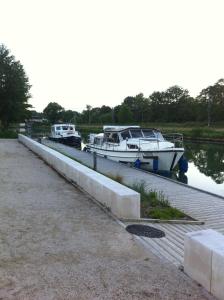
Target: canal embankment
[(57, 244)]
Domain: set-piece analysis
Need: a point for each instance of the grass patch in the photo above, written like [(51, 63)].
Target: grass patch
[(167, 213), (155, 205)]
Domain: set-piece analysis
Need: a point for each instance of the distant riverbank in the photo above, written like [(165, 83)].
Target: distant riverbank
[(194, 132)]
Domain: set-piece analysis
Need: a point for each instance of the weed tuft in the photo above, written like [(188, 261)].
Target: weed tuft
[(155, 204)]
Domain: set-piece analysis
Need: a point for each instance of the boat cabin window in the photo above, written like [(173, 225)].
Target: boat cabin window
[(148, 133), (58, 127), (111, 137), (131, 146), (136, 133), (125, 134), (98, 141), (71, 128), (65, 127)]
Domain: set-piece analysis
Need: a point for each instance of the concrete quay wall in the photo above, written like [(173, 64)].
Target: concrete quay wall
[(120, 200)]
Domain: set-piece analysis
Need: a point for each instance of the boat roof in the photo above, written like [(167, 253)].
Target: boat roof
[(108, 128), (64, 124), (118, 128)]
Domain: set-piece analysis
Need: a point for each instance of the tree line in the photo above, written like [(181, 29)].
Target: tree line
[(172, 105)]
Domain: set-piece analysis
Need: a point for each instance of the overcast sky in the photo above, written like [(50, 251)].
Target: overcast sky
[(78, 52)]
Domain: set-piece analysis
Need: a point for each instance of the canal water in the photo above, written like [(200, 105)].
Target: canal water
[(206, 167)]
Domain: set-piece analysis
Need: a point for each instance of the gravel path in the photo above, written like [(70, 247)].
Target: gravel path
[(55, 243)]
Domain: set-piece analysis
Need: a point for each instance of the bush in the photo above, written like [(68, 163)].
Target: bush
[(8, 134)]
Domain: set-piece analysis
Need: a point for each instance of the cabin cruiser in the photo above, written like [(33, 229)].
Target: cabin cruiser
[(65, 134), (143, 147)]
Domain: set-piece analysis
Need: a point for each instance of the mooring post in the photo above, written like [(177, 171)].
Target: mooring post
[(94, 161)]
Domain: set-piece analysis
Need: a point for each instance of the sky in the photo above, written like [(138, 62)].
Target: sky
[(97, 52)]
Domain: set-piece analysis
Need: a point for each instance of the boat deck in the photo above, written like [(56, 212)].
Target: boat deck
[(200, 205)]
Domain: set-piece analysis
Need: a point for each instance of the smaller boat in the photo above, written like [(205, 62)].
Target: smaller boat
[(65, 134)]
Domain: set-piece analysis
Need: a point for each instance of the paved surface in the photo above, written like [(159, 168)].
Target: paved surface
[(55, 243), (197, 204)]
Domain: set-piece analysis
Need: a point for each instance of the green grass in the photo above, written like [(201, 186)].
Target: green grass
[(155, 205), (167, 213)]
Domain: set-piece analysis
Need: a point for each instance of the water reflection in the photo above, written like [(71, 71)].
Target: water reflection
[(206, 167), (208, 158)]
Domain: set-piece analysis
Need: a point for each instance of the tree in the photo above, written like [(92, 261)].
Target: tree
[(139, 107), (173, 105), (69, 116), (14, 89), (125, 115), (212, 98), (53, 112), (88, 108)]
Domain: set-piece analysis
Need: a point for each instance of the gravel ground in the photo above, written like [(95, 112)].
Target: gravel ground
[(55, 243)]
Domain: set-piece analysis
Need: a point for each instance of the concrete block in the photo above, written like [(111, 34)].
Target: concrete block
[(198, 258), (217, 280), (122, 201), (204, 260)]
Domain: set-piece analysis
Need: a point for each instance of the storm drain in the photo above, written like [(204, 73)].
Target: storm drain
[(144, 230)]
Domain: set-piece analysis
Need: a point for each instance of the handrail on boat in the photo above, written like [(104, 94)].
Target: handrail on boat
[(176, 138)]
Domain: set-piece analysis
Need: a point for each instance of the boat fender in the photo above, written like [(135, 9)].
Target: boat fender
[(137, 163), (155, 165), (183, 164)]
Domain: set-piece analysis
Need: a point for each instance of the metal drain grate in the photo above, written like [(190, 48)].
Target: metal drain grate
[(144, 230)]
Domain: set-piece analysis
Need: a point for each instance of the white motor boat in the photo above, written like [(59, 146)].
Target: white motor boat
[(144, 147), (65, 134)]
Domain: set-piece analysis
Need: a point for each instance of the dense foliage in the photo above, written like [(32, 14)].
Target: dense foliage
[(14, 89), (172, 105)]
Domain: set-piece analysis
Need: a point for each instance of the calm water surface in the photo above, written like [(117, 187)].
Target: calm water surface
[(206, 166)]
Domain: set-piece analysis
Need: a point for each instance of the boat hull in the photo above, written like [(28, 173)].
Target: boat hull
[(73, 141), (156, 160)]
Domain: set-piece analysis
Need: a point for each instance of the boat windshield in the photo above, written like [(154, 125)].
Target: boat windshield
[(136, 133), (159, 136), (149, 133)]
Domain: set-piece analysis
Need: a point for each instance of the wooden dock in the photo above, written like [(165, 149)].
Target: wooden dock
[(198, 204)]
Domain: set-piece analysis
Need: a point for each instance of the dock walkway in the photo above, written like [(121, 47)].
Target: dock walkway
[(193, 202), (56, 243)]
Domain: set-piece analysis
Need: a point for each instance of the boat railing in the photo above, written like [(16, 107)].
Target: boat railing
[(176, 138)]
